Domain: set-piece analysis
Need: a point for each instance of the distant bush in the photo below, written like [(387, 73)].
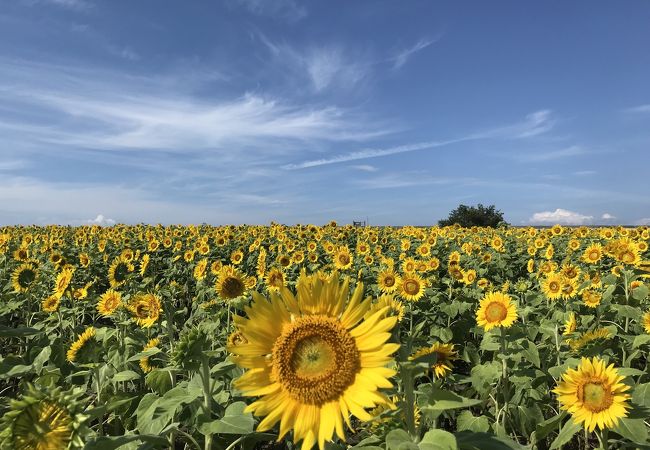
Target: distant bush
[(469, 216)]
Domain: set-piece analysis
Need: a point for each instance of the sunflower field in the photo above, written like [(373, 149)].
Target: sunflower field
[(271, 337)]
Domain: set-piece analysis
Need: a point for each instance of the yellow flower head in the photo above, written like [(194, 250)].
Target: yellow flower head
[(496, 309), (593, 394), (313, 360), (445, 355)]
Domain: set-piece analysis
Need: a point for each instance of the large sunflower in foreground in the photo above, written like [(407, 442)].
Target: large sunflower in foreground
[(313, 359), (496, 310), (594, 394), (43, 420)]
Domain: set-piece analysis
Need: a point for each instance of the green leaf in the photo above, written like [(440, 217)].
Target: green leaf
[(400, 440), (438, 440), (126, 375), (467, 421), (633, 429), (531, 353), (640, 340), (468, 440), (150, 352), (629, 371), (6, 332), (640, 293), (543, 429), (113, 442), (641, 395), (483, 376), (440, 400), (566, 433), (159, 380), (234, 421)]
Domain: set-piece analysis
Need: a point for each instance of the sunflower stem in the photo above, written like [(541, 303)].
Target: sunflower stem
[(409, 401), (504, 373), (207, 396)]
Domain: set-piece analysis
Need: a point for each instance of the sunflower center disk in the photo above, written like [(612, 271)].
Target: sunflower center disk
[(411, 287), (316, 359), (596, 396), (232, 287), (496, 312)]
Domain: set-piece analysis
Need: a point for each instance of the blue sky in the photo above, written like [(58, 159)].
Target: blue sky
[(248, 111)]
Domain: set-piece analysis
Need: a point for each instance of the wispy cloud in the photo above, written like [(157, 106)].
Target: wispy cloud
[(124, 52), (638, 109), (534, 124), (322, 65), (365, 168), (290, 10), (584, 173), (407, 179), (123, 113), (71, 4), (551, 155), (403, 56)]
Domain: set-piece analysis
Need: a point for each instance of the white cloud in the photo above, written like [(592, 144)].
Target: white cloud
[(644, 221), (101, 220), (534, 124), (402, 57), (607, 216), (639, 109), (583, 173), (561, 216)]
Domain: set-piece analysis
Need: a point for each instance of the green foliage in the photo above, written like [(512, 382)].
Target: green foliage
[(474, 216)]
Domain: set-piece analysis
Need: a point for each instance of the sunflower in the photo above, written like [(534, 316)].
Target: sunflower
[(200, 269), (593, 254), (237, 256), (145, 364), (342, 258), (469, 276), (62, 282), (594, 394), (231, 283), (496, 309), (313, 359), (274, 279), (146, 309), (261, 263), (23, 277), (388, 280), (570, 324), (646, 322), (590, 336), (552, 286), (77, 345), (44, 419), (118, 271), (569, 288), (144, 263), (109, 302), (591, 298), (51, 303), (445, 355), (411, 287)]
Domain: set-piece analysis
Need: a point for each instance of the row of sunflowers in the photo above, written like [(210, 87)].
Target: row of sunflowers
[(203, 337)]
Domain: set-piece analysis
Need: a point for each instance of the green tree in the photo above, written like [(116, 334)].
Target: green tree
[(469, 216)]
